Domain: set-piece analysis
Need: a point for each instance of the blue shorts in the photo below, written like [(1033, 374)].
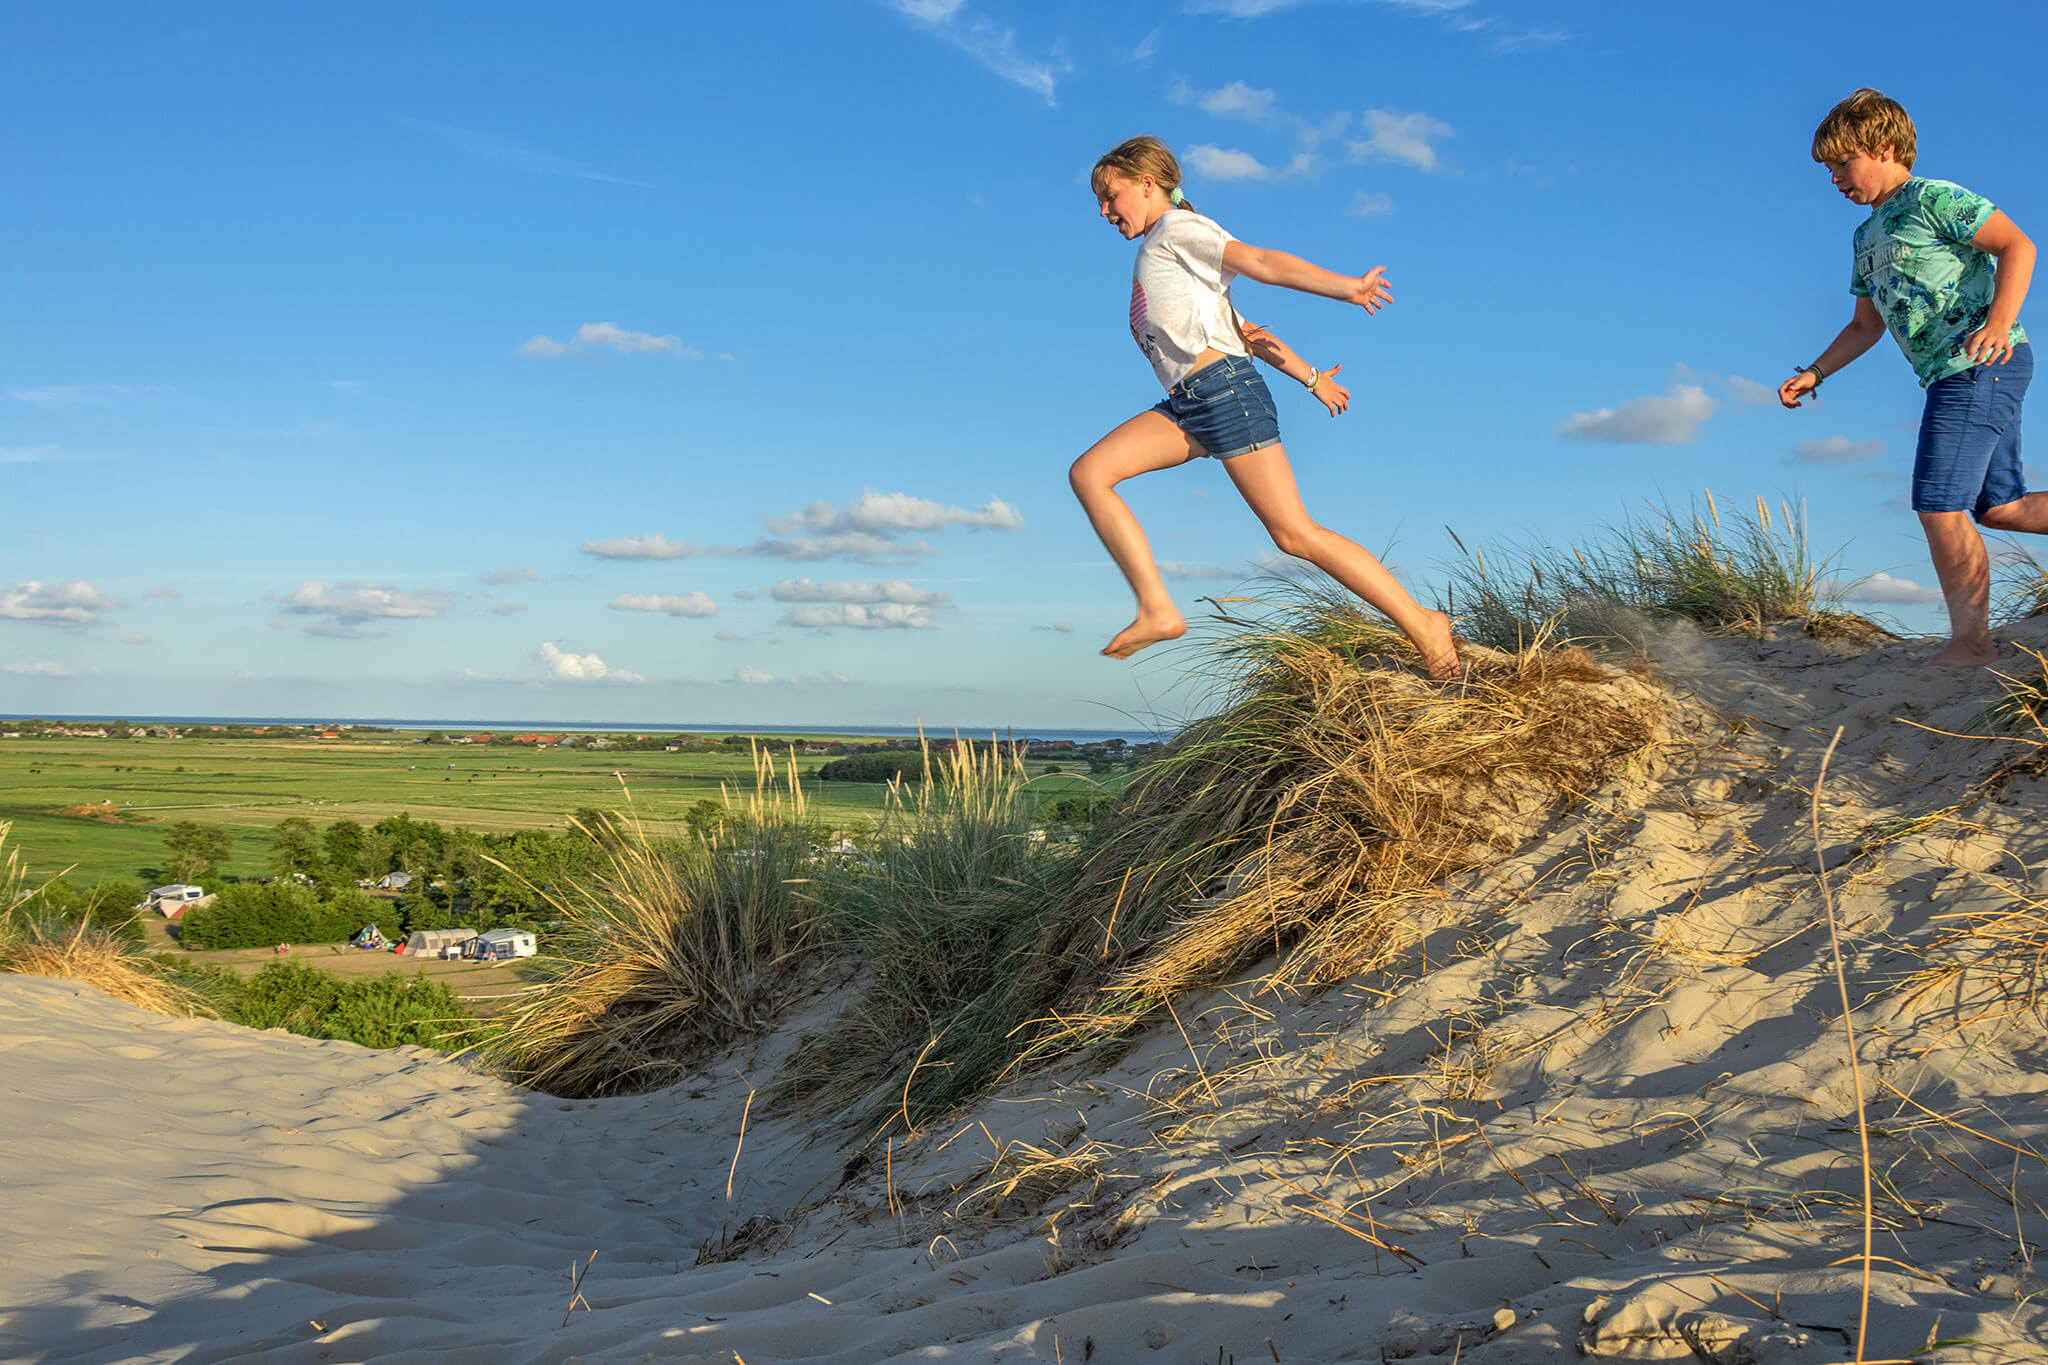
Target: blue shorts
[(1969, 454), (1224, 408)]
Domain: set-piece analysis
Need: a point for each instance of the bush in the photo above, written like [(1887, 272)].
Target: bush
[(109, 905), (247, 915), (880, 767), (385, 1011)]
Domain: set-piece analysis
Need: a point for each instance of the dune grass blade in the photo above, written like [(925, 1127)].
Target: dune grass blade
[(1731, 575), (673, 948), (1333, 787), (43, 945)]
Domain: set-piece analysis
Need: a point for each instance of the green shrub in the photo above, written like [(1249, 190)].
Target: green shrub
[(878, 767), (111, 905), (385, 1011), (248, 915)]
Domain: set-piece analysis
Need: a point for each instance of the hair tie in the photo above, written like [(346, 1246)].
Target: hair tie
[(1175, 197)]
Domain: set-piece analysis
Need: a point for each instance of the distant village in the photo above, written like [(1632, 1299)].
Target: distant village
[(1023, 747)]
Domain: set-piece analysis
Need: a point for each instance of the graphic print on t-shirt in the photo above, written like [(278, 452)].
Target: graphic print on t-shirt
[(1138, 319)]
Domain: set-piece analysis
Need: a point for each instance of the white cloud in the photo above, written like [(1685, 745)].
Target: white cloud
[(987, 42), (856, 545), (1749, 392), (855, 616), (747, 673), (511, 576), (507, 608), (727, 636), (76, 603), (351, 603), (582, 667), (1148, 46), (674, 604), (1883, 588), (653, 546), (1235, 100), (893, 590), (1062, 627), (134, 639), (1371, 204), (1407, 138), (1173, 568), (1218, 163), (42, 668), (335, 630), (1835, 450), (607, 336), (891, 513), (1670, 419)]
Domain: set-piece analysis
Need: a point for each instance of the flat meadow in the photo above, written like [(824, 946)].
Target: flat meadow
[(97, 808)]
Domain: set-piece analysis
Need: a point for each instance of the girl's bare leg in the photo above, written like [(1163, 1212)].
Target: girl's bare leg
[(1266, 480), (1147, 442)]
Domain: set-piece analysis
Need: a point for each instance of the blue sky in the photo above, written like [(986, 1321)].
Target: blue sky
[(668, 362)]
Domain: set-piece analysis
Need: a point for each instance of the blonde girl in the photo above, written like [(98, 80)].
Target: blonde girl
[(1216, 404)]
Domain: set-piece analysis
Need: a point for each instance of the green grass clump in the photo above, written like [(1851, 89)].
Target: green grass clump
[(1729, 576), (674, 945), (392, 1010)]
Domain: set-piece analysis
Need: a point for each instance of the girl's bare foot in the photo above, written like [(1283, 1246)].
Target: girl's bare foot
[(1960, 655), (1438, 648), (1148, 629)]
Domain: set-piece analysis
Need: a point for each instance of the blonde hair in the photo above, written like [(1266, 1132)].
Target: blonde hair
[(1868, 122), (1139, 156)]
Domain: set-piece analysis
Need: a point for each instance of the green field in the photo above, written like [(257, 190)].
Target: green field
[(247, 785)]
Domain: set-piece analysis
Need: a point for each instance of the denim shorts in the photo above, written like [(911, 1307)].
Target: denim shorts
[(1969, 454), (1224, 408)]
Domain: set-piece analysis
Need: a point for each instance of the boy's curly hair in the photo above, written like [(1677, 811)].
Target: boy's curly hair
[(1868, 121)]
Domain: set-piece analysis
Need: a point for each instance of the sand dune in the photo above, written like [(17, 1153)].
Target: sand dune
[(1606, 1111)]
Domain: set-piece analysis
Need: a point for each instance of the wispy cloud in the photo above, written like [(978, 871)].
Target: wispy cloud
[(888, 590), (76, 603), (1371, 204), (1063, 627), (344, 607), (505, 152), (1174, 568), (41, 668), (987, 42), (502, 576), (1748, 391), (651, 546), (1223, 163), (70, 395), (1671, 418), (607, 336), (890, 513), (1835, 450), (668, 603), (164, 594), (43, 454), (1457, 15), (1406, 138), (507, 608), (568, 667), (869, 530), (1884, 588)]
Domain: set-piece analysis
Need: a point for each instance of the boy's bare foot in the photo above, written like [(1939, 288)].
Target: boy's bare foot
[(1148, 629), (1960, 655), (1438, 648)]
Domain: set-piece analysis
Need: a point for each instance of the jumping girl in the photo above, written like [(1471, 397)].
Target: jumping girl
[(1216, 403)]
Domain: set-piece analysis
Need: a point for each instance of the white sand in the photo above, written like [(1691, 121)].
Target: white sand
[(1633, 1016)]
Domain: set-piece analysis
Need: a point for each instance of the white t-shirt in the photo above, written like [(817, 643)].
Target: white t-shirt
[(1180, 294)]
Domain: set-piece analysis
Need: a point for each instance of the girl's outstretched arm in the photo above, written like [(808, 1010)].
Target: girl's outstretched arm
[(1369, 291), (1281, 357)]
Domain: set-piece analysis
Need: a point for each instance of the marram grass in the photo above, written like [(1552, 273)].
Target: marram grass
[(1727, 575)]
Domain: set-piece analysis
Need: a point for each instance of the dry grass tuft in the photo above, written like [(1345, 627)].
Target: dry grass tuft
[(673, 949), (1733, 577), (1333, 790), (37, 946)]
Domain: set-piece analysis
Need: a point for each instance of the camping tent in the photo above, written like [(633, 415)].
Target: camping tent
[(437, 942)]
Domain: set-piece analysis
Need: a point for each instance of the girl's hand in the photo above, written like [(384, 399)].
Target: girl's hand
[(1330, 393), (1797, 387), (1370, 291), (1989, 345)]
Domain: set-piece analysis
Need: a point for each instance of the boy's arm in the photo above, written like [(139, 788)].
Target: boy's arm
[(1864, 328), (1281, 357), (1992, 343), (1369, 291)]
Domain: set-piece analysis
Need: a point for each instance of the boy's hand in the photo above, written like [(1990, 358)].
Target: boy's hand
[(1330, 393), (1797, 387), (1370, 292), (1990, 344)]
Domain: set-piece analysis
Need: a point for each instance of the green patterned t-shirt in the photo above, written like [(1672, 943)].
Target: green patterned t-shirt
[(1915, 262)]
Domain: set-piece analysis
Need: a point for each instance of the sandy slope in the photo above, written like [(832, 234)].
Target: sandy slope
[(1606, 1111)]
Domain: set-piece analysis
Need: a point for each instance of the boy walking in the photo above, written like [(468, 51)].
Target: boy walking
[(1924, 269)]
